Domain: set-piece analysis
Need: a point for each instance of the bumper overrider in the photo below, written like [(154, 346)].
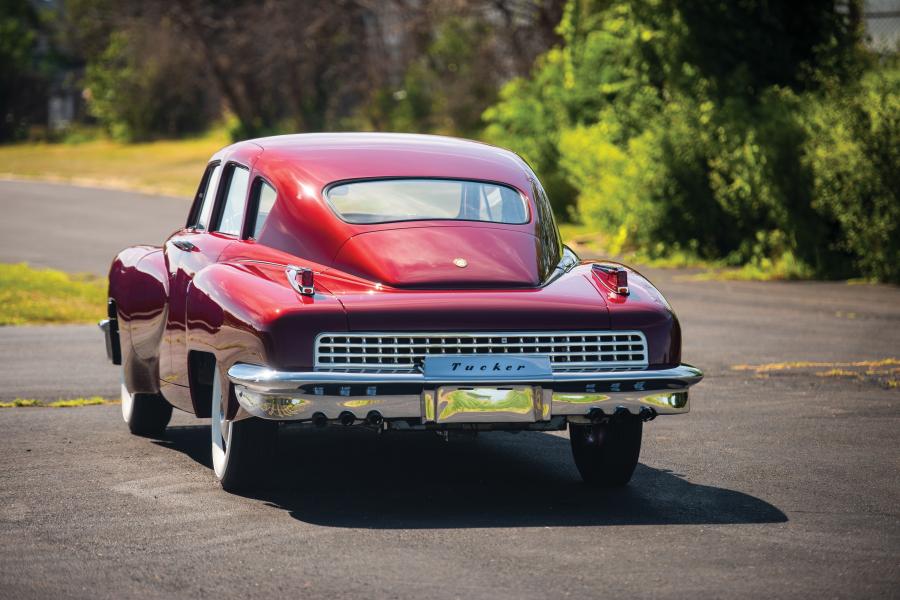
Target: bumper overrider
[(548, 399)]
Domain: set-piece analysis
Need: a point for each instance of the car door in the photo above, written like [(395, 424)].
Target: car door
[(218, 224)]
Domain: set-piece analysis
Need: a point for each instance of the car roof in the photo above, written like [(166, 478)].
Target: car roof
[(322, 158), (302, 166)]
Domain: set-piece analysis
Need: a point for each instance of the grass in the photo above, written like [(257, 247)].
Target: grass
[(21, 402), (30, 296), (171, 167), (73, 402), (784, 268), (883, 372), (786, 366), (591, 243), (70, 403)]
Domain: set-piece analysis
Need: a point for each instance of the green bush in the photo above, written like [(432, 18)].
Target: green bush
[(23, 74), (648, 139), (138, 93), (853, 154)]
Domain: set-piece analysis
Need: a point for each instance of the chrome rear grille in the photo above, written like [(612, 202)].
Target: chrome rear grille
[(568, 350)]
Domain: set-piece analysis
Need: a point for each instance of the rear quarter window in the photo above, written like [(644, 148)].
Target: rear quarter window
[(231, 216), (261, 203)]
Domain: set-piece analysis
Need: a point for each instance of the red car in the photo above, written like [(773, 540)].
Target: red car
[(396, 282)]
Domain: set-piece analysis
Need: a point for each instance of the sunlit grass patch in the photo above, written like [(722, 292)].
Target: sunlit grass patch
[(882, 371), (782, 366), (787, 267), (68, 403), (72, 402), (837, 373), (20, 402), (38, 296), (171, 167)]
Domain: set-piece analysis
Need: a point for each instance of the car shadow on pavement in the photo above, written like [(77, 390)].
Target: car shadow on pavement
[(351, 478)]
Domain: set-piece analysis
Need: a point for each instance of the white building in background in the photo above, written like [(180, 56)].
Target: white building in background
[(882, 19)]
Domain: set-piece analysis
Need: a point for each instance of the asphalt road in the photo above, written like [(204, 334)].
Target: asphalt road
[(79, 229), (778, 484), (55, 362)]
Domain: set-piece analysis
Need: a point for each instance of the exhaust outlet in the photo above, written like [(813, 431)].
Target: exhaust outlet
[(596, 415), (647, 413), (622, 413), (347, 418)]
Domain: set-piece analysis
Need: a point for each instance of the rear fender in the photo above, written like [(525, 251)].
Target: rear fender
[(643, 308), (247, 312), (138, 285)]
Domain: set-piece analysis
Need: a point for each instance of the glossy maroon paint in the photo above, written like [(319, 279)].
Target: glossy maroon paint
[(418, 257), (229, 297)]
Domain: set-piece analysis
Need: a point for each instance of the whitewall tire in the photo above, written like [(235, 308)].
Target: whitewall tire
[(242, 451)]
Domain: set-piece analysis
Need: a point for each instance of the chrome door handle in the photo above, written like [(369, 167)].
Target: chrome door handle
[(184, 245)]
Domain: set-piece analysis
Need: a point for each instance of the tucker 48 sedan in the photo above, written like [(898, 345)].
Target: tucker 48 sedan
[(395, 282)]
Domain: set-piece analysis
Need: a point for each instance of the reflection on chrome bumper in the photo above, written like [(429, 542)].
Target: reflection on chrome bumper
[(299, 396)]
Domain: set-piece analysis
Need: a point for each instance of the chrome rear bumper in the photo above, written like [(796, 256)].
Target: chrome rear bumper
[(302, 396), (110, 329)]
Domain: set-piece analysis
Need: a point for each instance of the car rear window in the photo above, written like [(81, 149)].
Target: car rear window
[(387, 200)]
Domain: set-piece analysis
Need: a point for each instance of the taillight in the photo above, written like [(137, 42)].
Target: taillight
[(301, 279), (622, 282), (615, 278), (306, 278)]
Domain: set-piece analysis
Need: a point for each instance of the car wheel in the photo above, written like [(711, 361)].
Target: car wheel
[(607, 453), (242, 451), (145, 414)]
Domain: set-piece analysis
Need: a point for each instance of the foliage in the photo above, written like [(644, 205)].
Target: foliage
[(34, 296), (446, 88), (741, 133), (854, 155), (461, 54), (137, 94), (20, 76), (757, 134)]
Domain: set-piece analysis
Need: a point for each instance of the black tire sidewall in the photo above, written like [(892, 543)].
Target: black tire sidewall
[(250, 452), (150, 415), (606, 454)]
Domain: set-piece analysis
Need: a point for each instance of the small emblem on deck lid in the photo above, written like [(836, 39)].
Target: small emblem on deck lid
[(461, 263)]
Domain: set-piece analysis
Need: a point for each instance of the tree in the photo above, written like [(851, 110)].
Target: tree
[(681, 126), (289, 65), (21, 77)]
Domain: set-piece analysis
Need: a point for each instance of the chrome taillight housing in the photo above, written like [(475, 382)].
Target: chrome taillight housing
[(613, 277), (301, 279)]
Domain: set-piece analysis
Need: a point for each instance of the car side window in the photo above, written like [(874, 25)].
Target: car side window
[(205, 197), (209, 198), (262, 199), (231, 215)]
